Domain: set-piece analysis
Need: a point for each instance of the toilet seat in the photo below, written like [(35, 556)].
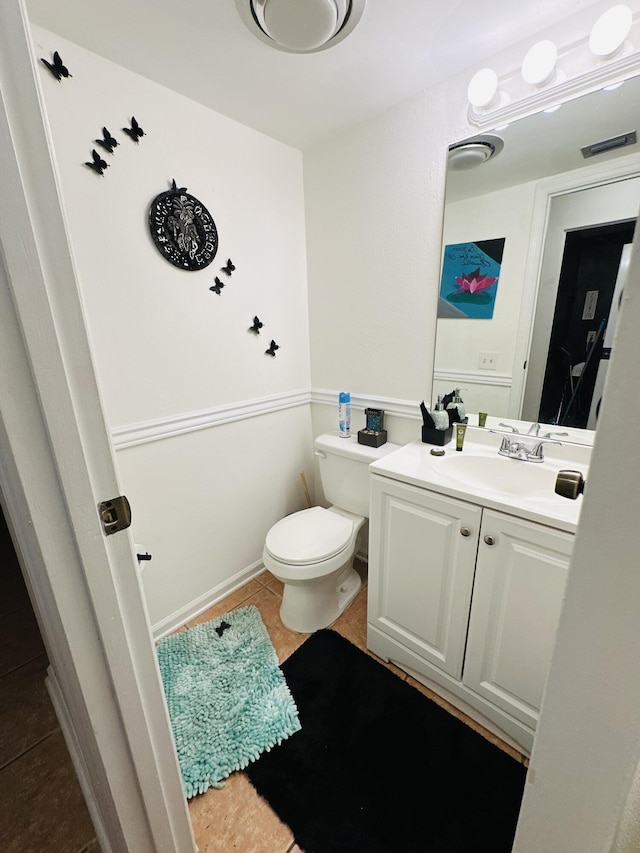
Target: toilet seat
[(309, 536)]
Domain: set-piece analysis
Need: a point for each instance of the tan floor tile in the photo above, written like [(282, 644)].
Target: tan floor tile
[(26, 712), (236, 818), (231, 602), (41, 804)]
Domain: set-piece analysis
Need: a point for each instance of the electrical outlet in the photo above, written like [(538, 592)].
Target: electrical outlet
[(488, 361), (591, 336)]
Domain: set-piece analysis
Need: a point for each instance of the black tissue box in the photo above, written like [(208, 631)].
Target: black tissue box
[(372, 438), (437, 436)]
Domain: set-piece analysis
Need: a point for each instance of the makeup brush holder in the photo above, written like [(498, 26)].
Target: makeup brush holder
[(437, 436)]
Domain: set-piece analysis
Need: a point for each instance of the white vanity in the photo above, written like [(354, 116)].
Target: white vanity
[(468, 559)]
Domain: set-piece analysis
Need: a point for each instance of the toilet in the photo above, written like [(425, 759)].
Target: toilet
[(312, 551)]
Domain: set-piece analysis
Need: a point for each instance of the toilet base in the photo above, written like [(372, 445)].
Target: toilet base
[(311, 606)]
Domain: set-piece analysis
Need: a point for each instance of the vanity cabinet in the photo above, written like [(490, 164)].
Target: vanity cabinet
[(465, 598)]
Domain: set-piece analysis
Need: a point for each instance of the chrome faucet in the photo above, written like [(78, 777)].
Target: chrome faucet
[(534, 429), (519, 450)]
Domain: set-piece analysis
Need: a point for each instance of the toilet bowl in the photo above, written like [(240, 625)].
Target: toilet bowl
[(312, 551)]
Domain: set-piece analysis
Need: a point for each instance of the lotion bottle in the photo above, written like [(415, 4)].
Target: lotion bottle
[(456, 403), (439, 415)]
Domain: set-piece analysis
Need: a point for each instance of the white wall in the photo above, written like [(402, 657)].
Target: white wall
[(227, 428)]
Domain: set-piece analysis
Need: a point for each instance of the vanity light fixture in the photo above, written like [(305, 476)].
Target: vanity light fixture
[(539, 64), (610, 31), (483, 88), (300, 27)]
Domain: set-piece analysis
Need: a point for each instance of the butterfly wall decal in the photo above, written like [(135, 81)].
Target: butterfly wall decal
[(273, 346), (97, 164), (57, 67), (135, 132), (229, 267), (107, 142), (217, 287), (257, 325)]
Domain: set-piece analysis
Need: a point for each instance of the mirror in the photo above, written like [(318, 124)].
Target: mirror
[(537, 345)]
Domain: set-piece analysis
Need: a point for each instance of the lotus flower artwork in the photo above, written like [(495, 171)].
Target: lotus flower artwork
[(474, 282), (469, 284)]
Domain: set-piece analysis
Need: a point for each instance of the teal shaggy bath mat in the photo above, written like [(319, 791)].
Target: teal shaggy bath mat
[(227, 697)]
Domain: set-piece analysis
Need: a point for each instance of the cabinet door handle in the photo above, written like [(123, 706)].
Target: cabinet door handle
[(490, 540), (465, 531)]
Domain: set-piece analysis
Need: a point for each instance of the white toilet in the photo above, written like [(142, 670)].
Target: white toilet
[(312, 551)]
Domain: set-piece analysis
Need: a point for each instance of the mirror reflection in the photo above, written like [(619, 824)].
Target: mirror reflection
[(539, 218)]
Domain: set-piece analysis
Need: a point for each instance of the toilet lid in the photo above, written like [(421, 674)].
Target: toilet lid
[(308, 536)]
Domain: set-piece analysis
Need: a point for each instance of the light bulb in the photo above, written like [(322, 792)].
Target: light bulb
[(482, 88), (610, 31), (539, 63)]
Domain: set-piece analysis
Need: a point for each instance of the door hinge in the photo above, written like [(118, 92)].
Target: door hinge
[(115, 514)]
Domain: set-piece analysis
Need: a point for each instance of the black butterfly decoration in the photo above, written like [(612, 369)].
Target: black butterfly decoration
[(229, 267), (97, 164), (217, 287), (257, 325), (273, 346), (57, 68), (107, 142), (222, 627), (135, 132)]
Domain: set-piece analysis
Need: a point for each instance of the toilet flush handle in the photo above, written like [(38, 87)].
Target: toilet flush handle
[(320, 453)]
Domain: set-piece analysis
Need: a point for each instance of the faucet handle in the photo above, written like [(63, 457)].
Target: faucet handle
[(537, 452), (549, 434), (508, 426)]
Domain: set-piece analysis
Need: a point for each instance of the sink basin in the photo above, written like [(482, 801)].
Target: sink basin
[(499, 474)]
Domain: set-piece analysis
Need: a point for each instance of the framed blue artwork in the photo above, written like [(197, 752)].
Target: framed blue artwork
[(470, 277)]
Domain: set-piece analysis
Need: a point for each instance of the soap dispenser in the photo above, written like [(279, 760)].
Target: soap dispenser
[(456, 403), (439, 415)]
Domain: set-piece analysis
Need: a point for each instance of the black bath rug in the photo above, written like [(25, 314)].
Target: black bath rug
[(379, 767)]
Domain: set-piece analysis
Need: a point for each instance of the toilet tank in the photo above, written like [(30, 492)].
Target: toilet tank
[(344, 470)]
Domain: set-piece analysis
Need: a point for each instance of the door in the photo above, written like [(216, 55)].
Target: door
[(422, 554), (520, 579), (56, 464)]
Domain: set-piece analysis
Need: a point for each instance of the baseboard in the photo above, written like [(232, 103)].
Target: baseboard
[(73, 745), (179, 617)]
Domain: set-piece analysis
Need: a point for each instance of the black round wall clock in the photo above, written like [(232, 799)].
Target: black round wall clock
[(182, 229)]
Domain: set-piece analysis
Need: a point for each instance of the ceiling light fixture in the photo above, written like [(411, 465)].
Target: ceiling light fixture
[(483, 88), (297, 27), (473, 152), (539, 64), (610, 31)]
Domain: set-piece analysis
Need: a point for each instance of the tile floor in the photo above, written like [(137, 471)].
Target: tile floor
[(42, 809), (235, 818)]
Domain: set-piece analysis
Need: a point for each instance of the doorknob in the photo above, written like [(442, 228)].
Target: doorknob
[(570, 484)]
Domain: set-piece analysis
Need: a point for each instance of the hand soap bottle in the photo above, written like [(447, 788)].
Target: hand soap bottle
[(439, 415), (456, 403)]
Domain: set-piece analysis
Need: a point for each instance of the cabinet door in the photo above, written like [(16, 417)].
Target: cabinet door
[(422, 550), (517, 596)]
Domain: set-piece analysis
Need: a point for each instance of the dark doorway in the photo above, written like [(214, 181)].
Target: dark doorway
[(588, 276)]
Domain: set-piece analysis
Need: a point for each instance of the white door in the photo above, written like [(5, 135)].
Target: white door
[(56, 465), (517, 596), (422, 553)]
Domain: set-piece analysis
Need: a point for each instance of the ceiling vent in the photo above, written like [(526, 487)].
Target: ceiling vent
[(301, 27), (609, 144)]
